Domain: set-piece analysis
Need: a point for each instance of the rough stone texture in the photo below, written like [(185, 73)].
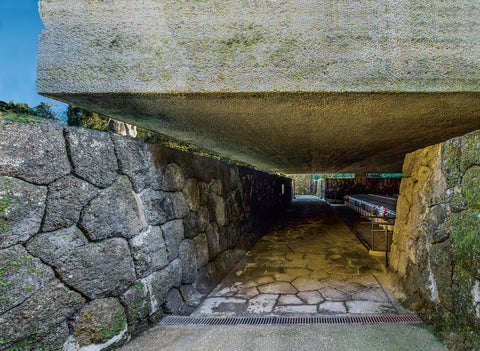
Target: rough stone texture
[(216, 204), (98, 242), (54, 246), (34, 152), (187, 254), (174, 179), (122, 217), (39, 316), (101, 320), (149, 251), (138, 303), (98, 270), (191, 295), (135, 161), (173, 235), (21, 210), (192, 193), (201, 249), (21, 276), (160, 282), (174, 304), (121, 128), (213, 240), (92, 155), (202, 218), (161, 207), (436, 237), (190, 224), (66, 198)]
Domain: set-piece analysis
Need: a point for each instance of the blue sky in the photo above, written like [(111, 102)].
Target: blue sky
[(20, 25)]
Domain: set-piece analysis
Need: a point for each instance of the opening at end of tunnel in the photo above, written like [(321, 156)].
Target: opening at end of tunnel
[(311, 263)]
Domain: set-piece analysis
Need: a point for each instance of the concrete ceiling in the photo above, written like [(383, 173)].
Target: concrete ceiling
[(295, 86)]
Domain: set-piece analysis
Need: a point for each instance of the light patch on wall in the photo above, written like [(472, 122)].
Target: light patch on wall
[(433, 285), (476, 298), (147, 283)]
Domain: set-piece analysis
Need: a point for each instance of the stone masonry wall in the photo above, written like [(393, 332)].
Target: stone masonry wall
[(101, 234), (436, 241)]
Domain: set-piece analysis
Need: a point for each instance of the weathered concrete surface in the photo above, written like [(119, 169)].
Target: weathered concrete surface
[(253, 46), (266, 338), (298, 86)]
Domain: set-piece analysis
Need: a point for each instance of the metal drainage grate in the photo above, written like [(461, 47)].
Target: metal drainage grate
[(285, 320)]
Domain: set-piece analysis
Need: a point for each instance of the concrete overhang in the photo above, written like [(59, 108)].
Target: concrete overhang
[(289, 85)]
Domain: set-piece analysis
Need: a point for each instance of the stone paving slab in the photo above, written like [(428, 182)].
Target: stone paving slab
[(315, 265)]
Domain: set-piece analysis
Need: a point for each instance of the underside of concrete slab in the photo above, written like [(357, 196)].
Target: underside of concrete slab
[(299, 132), (295, 86)]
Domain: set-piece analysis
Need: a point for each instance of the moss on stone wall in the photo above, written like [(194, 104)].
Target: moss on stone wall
[(443, 275)]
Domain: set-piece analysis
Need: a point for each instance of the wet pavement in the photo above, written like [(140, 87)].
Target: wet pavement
[(311, 264)]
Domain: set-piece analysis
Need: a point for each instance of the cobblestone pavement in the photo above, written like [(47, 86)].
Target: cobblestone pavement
[(312, 265)]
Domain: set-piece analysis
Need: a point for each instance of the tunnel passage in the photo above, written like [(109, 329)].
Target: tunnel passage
[(310, 264)]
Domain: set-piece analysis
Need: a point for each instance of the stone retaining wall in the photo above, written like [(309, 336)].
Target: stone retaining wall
[(101, 234), (436, 241)]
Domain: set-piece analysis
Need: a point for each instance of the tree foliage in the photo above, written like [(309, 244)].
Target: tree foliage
[(42, 110), (80, 117)]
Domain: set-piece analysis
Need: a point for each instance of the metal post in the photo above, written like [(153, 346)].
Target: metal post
[(386, 246)]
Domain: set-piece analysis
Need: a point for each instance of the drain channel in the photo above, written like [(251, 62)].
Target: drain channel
[(285, 320)]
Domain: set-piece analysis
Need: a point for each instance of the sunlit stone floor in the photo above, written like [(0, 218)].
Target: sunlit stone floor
[(312, 265)]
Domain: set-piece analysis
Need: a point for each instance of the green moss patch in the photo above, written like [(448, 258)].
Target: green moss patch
[(465, 235), (112, 329), (471, 187)]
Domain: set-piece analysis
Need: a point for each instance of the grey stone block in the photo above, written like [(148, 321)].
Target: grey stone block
[(173, 235), (203, 218), (135, 160), (117, 211), (34, 152), (213, 240), (92, 155), (149, 251), (173, 179), (216, 206), (21, 276), (187, 254), (192, 193), (21, 210), (137, 301), (98, 269), (159, 283), (52, 247), (190, 223), (191, 295), (161, 207), (100, 321), (174, 304), (201, 249), (66, 198), (40, 315)]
